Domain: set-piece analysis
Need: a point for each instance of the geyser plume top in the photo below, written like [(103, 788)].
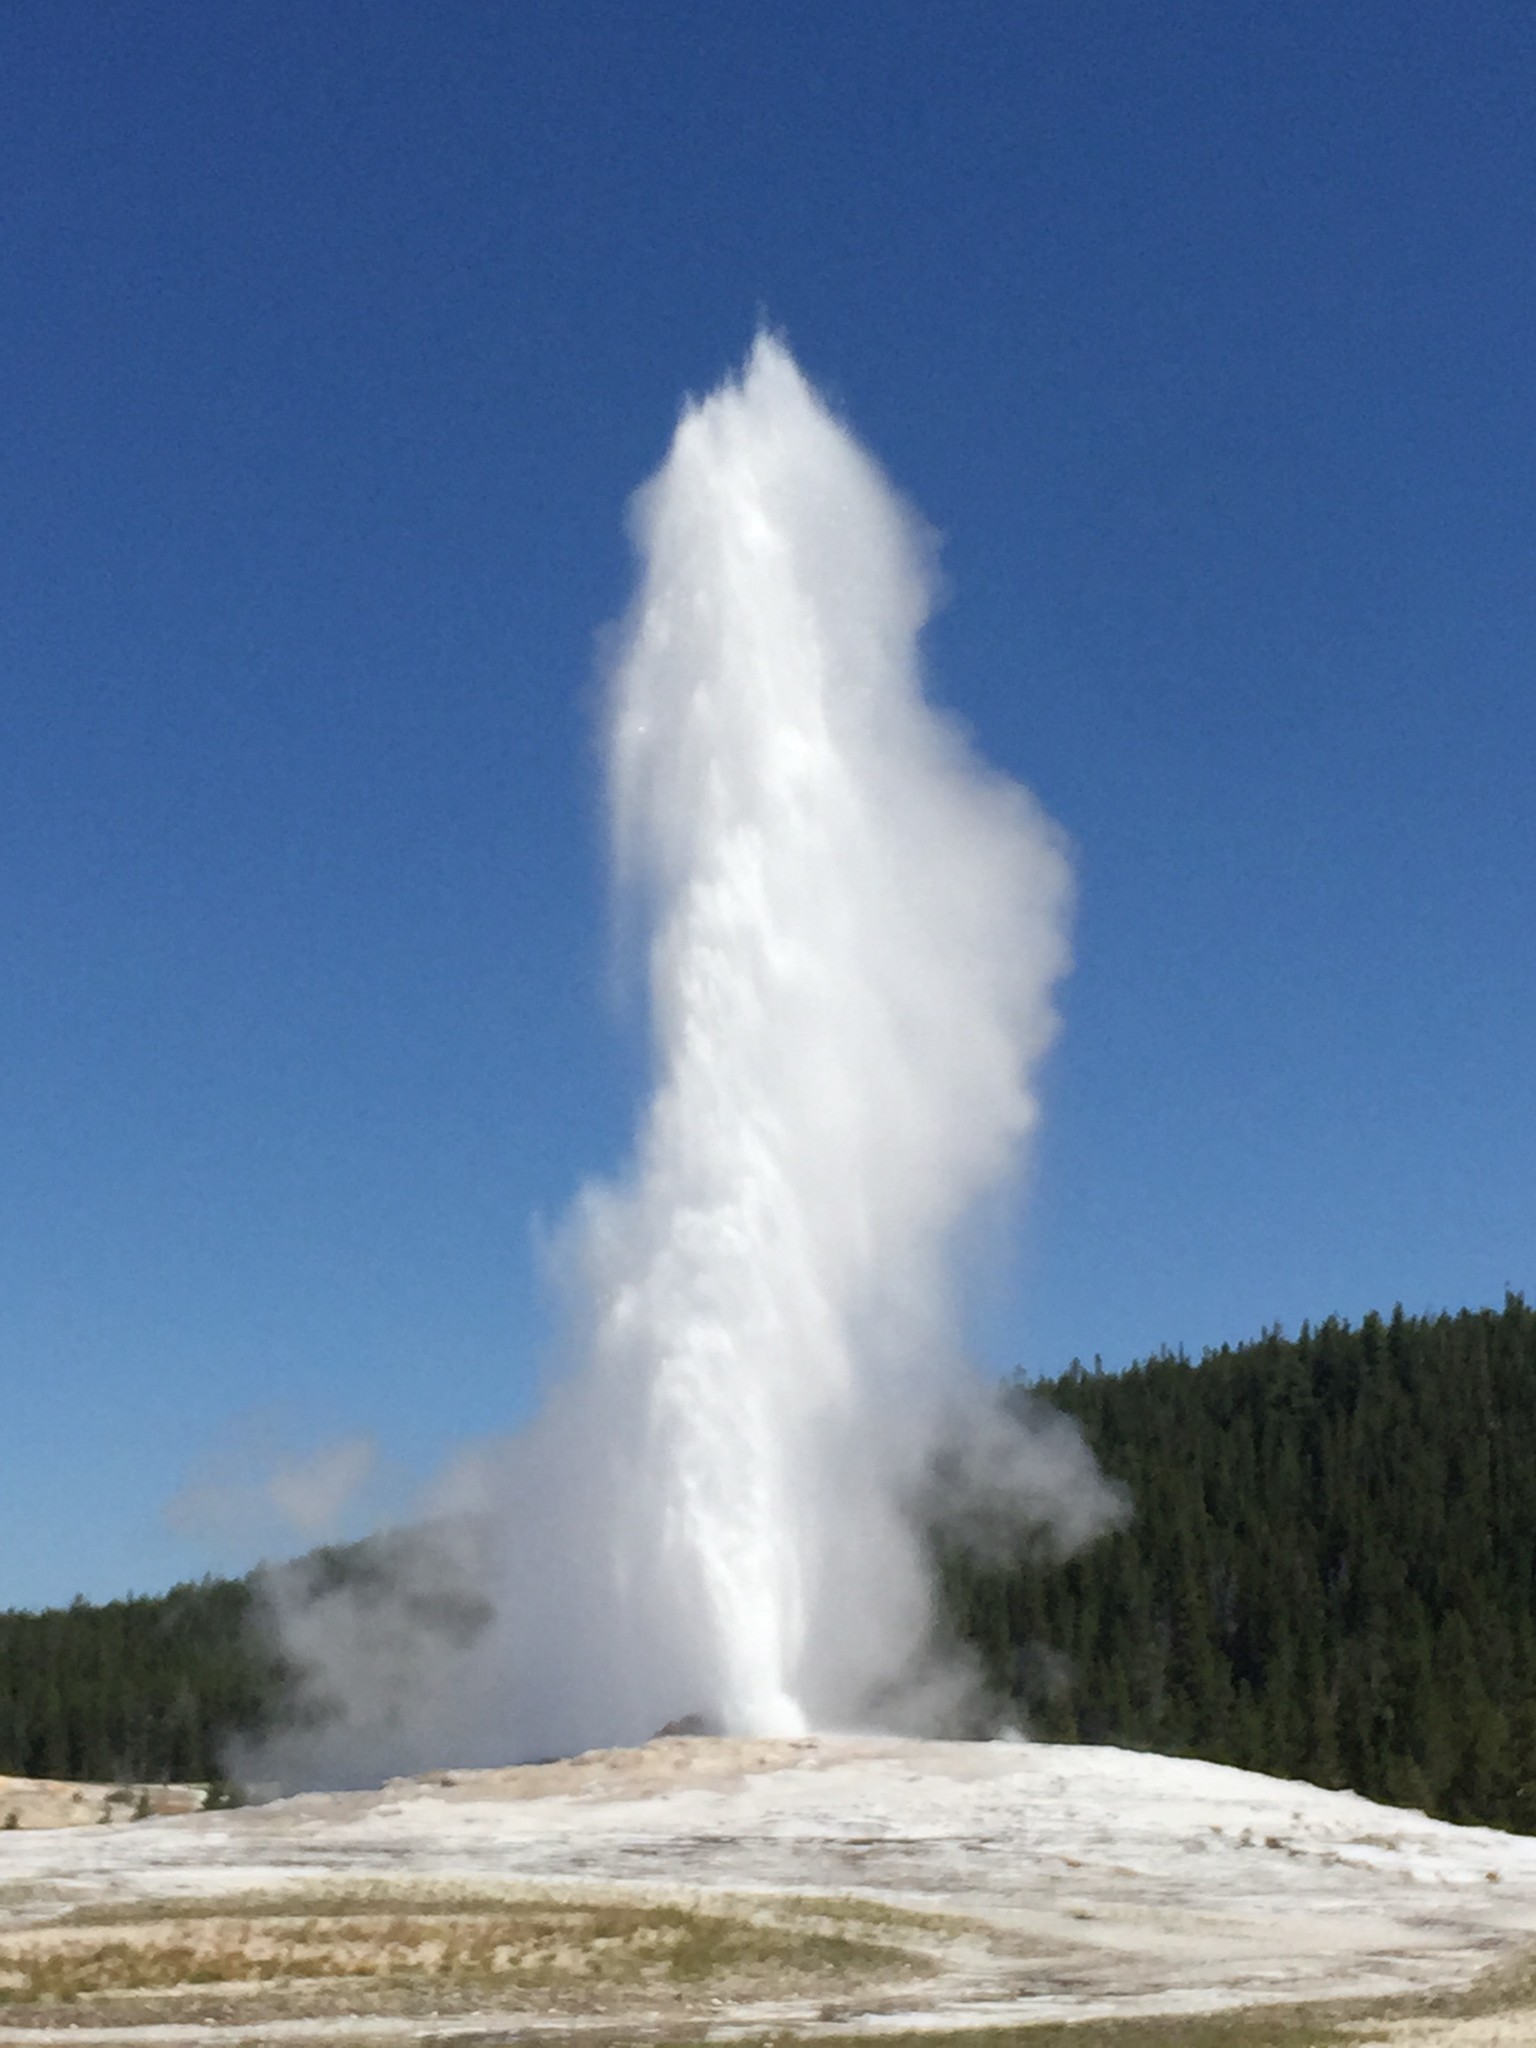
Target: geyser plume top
[(778, 784), (853, 928)]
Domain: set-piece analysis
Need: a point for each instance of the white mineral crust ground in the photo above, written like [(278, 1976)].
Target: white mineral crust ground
[(1133, 1883)]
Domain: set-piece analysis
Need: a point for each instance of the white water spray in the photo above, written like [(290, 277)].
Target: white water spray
[(854, 929), (854, 933)]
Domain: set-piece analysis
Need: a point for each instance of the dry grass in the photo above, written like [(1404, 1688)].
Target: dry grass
[(1507, 1989), (1509, 1986), (559, 1952), (1281, 2028), (425, 1951)]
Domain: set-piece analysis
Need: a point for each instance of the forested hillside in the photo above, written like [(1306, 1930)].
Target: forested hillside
[(1329, 1572), (145, 1689)]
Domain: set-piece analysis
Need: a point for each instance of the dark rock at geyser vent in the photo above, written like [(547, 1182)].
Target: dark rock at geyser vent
[(690, 1724)]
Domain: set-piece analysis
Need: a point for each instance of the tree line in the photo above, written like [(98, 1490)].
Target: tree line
[(146, 1690), (1327, 1571)]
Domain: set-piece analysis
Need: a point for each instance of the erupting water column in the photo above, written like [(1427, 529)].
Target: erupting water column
[(853, 931), (854, 928)]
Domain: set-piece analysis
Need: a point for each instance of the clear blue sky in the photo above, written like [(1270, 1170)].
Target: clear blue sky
[(333, 338)]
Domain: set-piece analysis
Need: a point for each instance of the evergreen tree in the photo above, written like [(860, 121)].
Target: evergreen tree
[(1330, 1571)]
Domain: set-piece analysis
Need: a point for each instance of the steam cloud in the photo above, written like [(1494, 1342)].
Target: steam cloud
[(854, 930)]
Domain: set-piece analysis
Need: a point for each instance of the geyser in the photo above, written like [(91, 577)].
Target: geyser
[(854, 932), (853, 929)]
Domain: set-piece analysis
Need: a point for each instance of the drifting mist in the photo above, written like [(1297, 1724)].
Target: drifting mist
[(853, 929)]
